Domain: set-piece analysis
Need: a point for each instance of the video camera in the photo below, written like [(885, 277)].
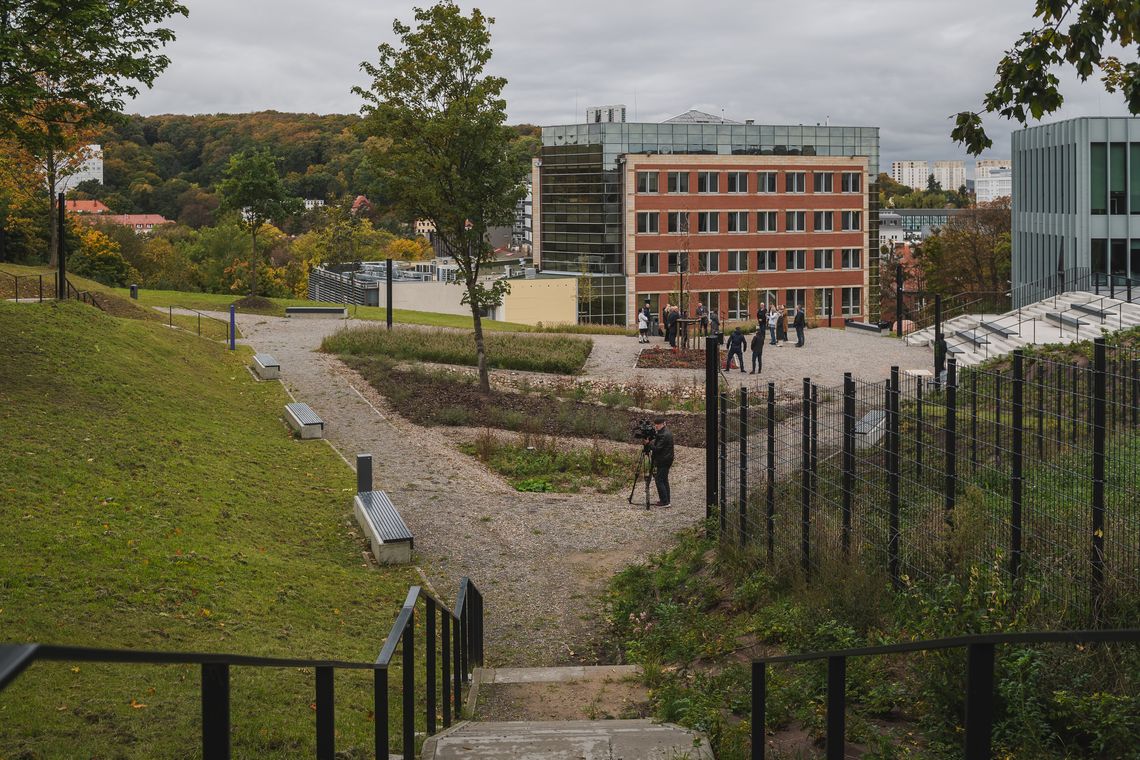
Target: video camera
[(643, 430)]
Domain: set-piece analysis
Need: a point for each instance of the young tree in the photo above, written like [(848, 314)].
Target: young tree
[(253, 187), (447, 156), (971, 253), (1026, 85)]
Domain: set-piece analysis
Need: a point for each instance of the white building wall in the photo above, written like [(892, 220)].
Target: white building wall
[(910, 173), (951, 175)]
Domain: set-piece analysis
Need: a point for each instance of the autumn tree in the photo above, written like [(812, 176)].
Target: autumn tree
[(253, 187), (447, 156), (408, 249), (1070, 33), (971, 253)]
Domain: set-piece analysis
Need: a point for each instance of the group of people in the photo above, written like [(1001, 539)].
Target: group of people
[(671, 324), (769, 322)]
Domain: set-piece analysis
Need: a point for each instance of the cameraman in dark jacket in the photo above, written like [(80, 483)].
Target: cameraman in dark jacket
[(662, 451)]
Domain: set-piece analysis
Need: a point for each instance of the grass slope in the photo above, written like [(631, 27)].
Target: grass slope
[(150, 497)]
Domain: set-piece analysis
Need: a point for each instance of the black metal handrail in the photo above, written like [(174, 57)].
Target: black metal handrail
[(38, 278), (460, 637), (979, 681)]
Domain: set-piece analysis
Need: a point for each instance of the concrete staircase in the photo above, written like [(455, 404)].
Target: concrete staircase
[(1072, 316), (575, 697)]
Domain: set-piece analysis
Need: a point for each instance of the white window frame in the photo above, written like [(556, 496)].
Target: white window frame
[(852, 216), (738, 261), (850, 178), (828, 217), (845, 257), (709, 180), (709, 221), (800, 217), (827, 179), (652, 260), (797, 256), (740, 179), (823, 259), (767, 261), (679, 216), (678, 176), (737, 311), (767, 182), (652, 222), (649, 181), (794, 297), (770, 221), (823, 298), (847, 308), (795, 182), (738, 221), (704, 258)]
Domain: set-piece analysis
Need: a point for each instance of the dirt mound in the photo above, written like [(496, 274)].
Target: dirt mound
[(254, 303)]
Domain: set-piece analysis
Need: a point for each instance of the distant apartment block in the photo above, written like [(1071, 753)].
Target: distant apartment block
[(605, 114), (750, 213), (423, 227), (1076, 206), (521, 236), (312, 203), (950, 175), (993, 179), (91, 168), (913, 174)]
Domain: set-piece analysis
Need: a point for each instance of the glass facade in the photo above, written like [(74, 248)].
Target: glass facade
[(581, 222)]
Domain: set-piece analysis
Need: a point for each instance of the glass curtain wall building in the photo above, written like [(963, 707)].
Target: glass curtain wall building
[(578, 227), (1076, 207)]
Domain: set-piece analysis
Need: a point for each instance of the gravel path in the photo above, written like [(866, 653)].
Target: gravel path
[(540, 559)]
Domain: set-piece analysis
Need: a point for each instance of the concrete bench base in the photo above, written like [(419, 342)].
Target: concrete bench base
[(304, 420), (316, 312), (870, 429), (266, 367), (387, 535)]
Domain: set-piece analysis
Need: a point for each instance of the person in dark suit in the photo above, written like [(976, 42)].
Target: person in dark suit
[(757, 347), (735, 348), (662, 450), (799, 323)]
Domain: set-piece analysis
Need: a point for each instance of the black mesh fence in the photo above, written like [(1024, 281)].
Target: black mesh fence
[(1032, 464)]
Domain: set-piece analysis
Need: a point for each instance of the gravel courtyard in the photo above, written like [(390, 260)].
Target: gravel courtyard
[(541, 560)]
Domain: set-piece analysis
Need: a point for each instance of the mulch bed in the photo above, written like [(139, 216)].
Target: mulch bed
[(667, 358), (442, 400)]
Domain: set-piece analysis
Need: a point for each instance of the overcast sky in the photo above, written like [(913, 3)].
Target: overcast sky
[(902, 65)]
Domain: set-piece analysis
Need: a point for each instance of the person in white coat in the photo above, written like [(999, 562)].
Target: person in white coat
[(643, 326)]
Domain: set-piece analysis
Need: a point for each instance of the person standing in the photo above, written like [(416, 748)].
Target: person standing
[(665, 320), (757, 352), (703, 316), (782, 325), (799, 323), (643, 326), (714, 326), (662, 446), (735, 348), (761, 318), (773, 322)]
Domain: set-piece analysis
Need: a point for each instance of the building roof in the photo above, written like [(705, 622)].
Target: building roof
[(86, 207), (693, 116), (136, 220)]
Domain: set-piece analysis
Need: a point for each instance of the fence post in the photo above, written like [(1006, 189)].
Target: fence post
[(429, 651), (233, 328), (759, 697), (1015, 482), (409, 696), (997, 418), (388, 293), (836, 707), (1037, 376), (979, 700), (805, 480), (215, 711), (457, 668), (742, 497), (326, 722), (1076, 378), (380, 710), (893, 474), (918, 427), (1135, 392), (898, 300), (770, 496), (1098, 434), (848, 457), (974, 421), (722, 492), (950, 486), (939, 342), (814, 437), (445, 664), (712, 362)]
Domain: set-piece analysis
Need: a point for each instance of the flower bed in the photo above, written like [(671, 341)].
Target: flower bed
[(667, 358)]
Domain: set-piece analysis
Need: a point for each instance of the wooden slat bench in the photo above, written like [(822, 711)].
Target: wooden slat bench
[(304, 420), (339, 312), (389, 537), (266, 367), (870, 428)]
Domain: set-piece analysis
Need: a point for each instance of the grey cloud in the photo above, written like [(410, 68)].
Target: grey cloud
[(902, 65)]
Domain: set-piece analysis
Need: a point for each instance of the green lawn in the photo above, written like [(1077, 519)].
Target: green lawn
[(543, 464), (151, 498)]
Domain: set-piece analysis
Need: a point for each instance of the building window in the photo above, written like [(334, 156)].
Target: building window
[(708, 221), (823, 221), (678, 182), (851, 302), (737, 305), (767, 297), (678, 261), (738, 261), (795, 221), (795, 182), (821, 182), (766, 221), (708, 261), (794, 298), (795, 260), (649, 263), (677, 221), (823, 259), (647, 182), (1098, 177), (1117, 183), (710, 299), (765, 182), (851, 258), (1134, 187), (766, 261), (648, 222), (708, 182), (823, 302), (737, 182), (851, 182), (852, 220), (738, 221)]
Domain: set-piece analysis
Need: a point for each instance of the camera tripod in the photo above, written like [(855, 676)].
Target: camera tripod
[(644, 467)]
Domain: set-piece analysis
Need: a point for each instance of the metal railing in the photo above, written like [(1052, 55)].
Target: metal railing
[(979, 687), (458, 639), (36, 282)]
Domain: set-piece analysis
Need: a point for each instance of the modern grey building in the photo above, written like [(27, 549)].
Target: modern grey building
[(1076, 206), (579, 224)]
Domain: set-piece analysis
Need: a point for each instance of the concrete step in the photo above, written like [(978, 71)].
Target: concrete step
[(567, 740)]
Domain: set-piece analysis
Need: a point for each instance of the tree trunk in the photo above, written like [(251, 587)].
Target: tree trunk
[(480, 350)]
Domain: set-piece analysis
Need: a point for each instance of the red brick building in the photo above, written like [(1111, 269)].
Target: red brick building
[(788, 230)]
